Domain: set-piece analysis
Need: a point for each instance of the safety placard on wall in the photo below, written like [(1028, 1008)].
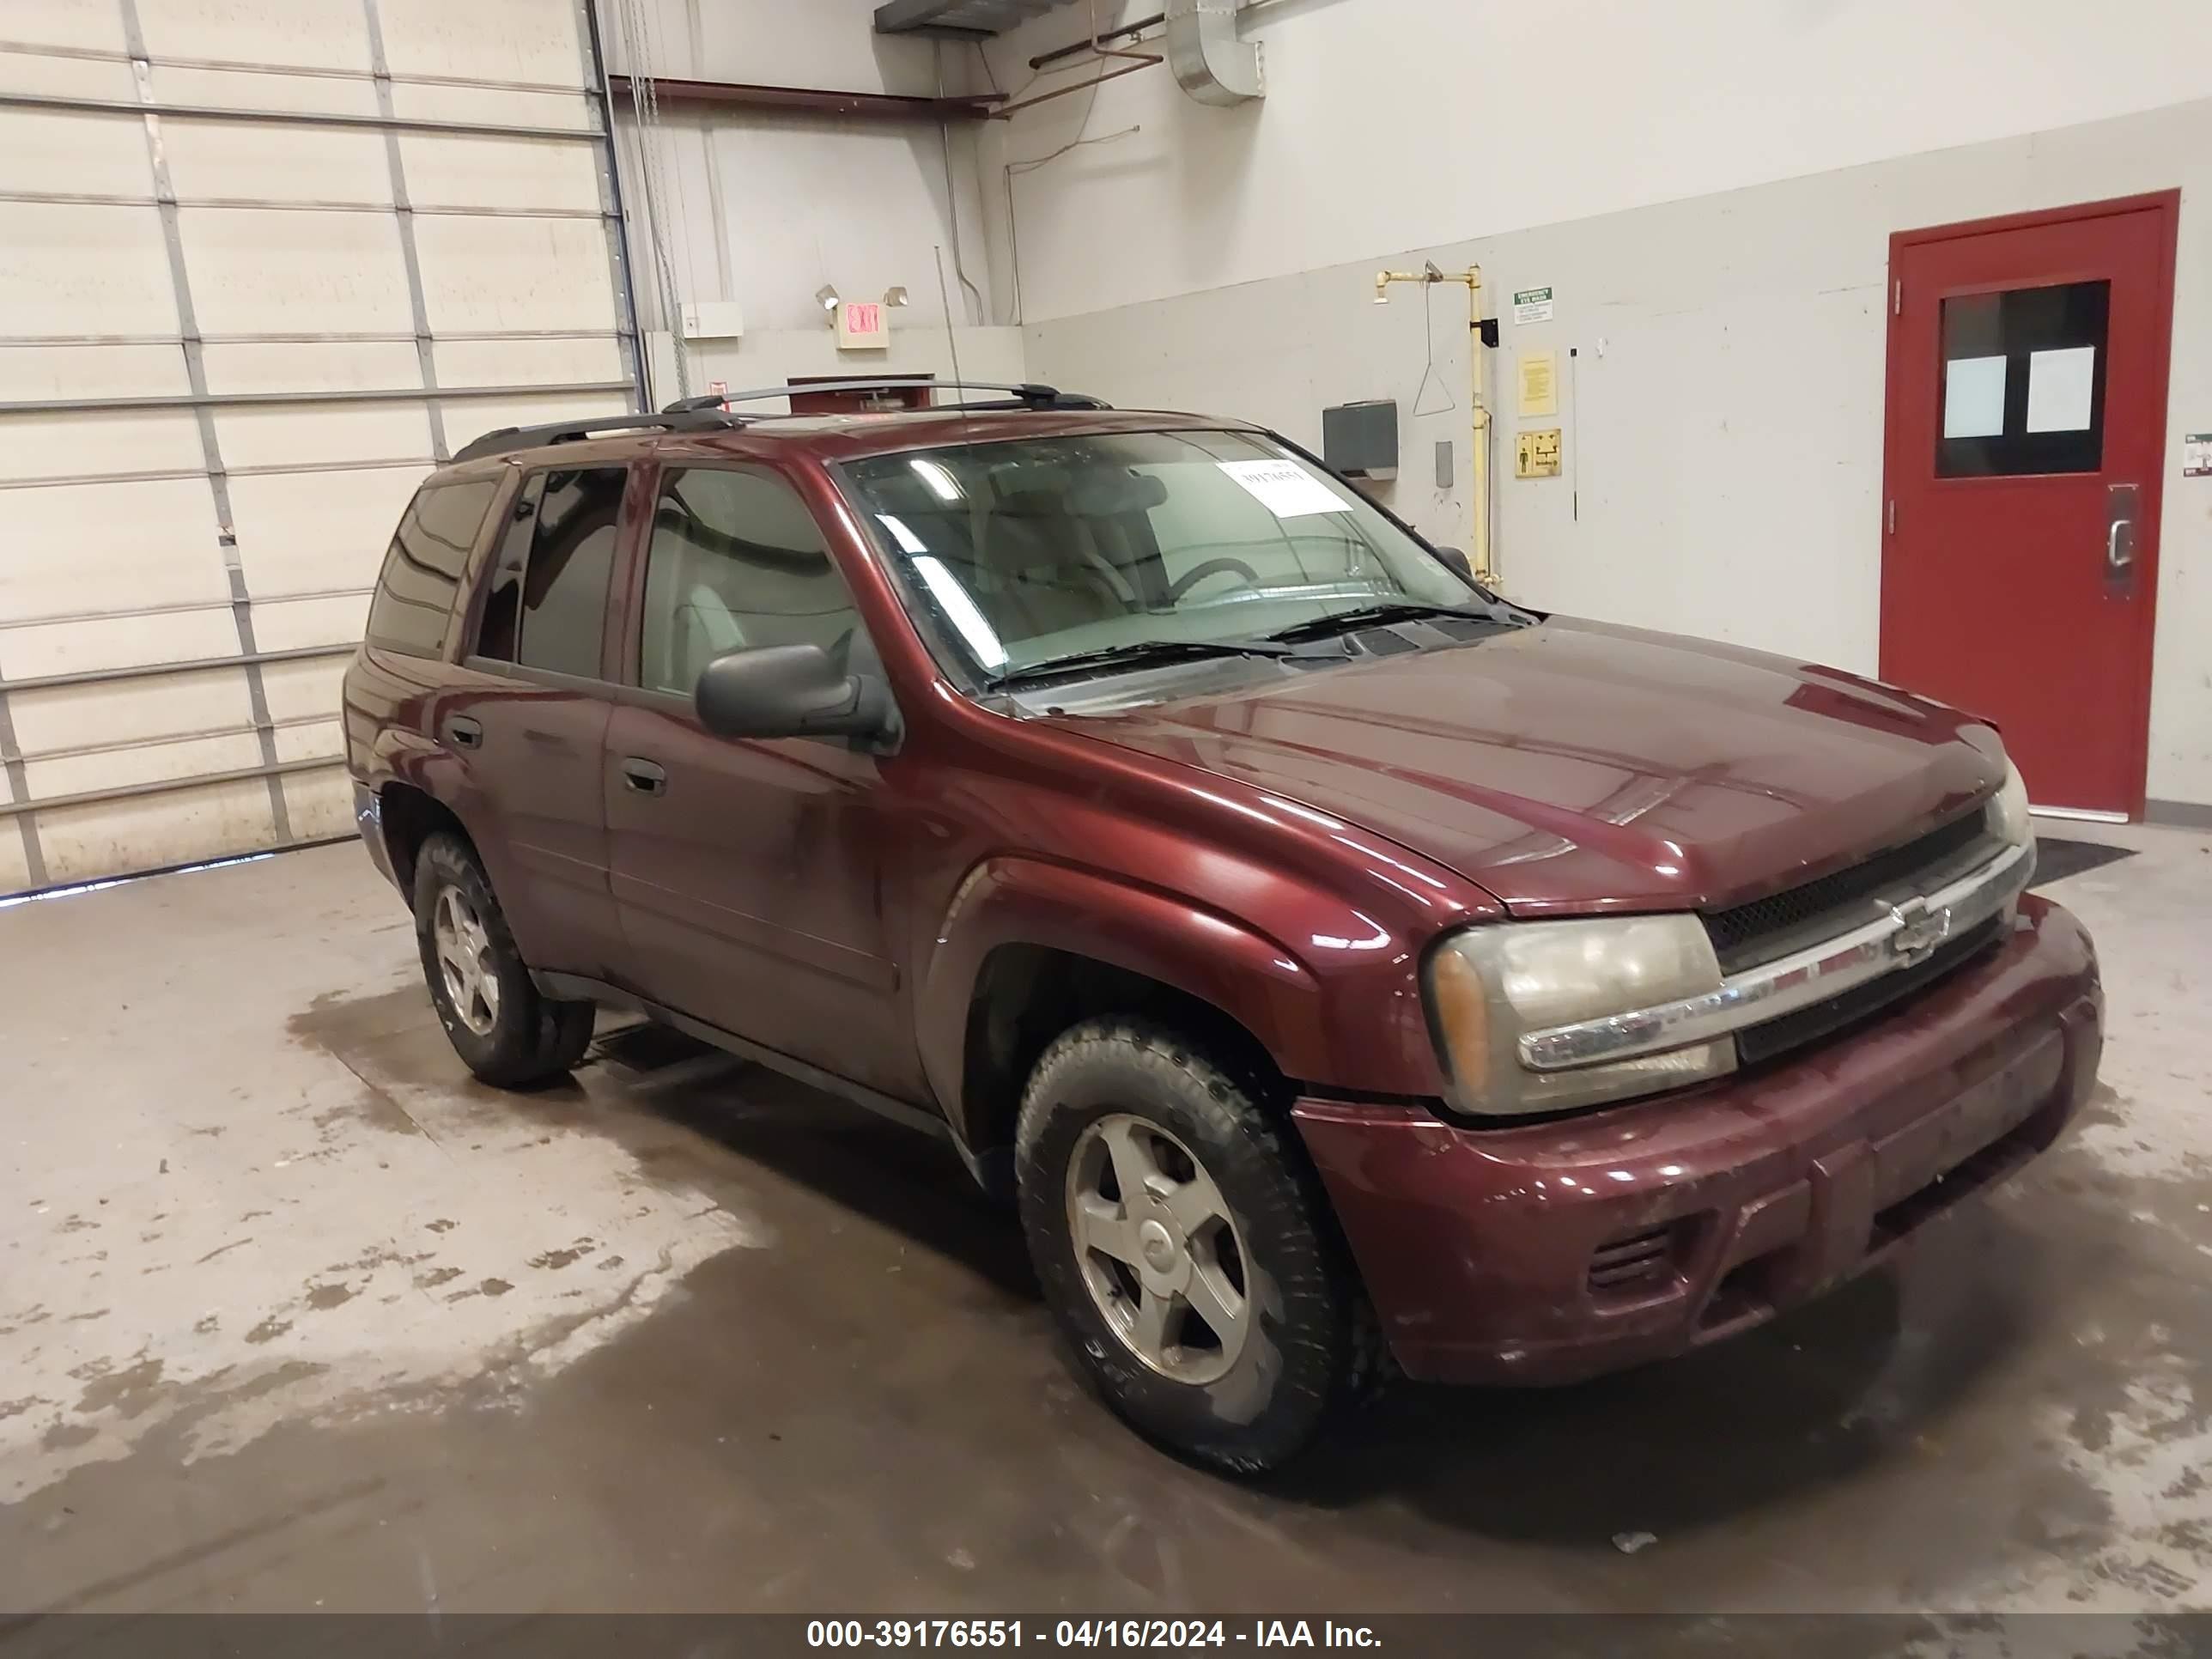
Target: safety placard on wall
[(2196, 455), (1531, 305), (1539, 383)]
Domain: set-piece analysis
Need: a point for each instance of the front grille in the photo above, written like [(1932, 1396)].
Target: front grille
[(1779, 1036), (1633, 1262), (1772, 927)]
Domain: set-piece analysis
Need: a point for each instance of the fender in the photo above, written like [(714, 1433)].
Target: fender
[(1257, 981), (401, 754)]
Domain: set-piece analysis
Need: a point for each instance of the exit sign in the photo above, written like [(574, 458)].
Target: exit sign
[(863, 325)]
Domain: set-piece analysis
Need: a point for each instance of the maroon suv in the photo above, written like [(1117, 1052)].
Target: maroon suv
[(1333, 958)]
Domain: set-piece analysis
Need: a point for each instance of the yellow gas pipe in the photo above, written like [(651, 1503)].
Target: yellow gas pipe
[(1479, 548)]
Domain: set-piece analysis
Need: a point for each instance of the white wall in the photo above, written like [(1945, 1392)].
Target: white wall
[(1709, 186), (1390, 123), (1724, 449), (765, 207)]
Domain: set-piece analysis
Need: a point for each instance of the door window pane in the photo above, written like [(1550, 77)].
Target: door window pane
[(503, 607), (423, 572), (737, 562), (563, 589), (2023, 386)]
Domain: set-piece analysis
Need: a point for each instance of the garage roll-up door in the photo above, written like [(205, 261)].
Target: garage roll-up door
[(263, 263)]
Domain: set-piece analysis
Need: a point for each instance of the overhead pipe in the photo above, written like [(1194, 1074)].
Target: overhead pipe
[(1078, 48), (817, 100)]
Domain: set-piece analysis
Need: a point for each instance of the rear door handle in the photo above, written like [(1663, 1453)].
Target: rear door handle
[(646, 777), (465, 734)]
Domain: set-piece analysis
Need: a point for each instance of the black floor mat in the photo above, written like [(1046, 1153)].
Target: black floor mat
[(2057, 858)]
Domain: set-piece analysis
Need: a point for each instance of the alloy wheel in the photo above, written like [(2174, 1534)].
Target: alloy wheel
[(464, 961), (1158, 1249)]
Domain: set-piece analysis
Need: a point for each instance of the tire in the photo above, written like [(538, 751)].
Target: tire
[(513, 1038), (1245, 1399)]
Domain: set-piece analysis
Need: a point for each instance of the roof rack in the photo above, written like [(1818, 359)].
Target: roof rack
[(503, 439), (1021, 395), (708, 413)]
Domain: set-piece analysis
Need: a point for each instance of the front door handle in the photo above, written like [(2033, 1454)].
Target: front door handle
[(2120, 510), (646, 777), (464, 732)]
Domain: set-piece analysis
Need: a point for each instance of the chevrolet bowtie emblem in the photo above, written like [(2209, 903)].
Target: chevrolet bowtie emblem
[(1919, 931)]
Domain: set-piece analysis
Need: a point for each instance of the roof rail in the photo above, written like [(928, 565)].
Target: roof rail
[(506, 437), (708, 413), (1024, 395)]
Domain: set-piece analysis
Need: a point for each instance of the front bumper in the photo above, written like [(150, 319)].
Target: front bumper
[(1549, 1252)]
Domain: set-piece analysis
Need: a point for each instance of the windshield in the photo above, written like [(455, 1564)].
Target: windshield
[(1030, 551)]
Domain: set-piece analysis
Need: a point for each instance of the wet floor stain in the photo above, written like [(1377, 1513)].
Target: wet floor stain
[(554, 1260)]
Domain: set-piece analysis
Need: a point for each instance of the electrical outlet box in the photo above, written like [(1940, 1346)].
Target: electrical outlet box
[(1360, 440), (1536, 453), (714, 319)]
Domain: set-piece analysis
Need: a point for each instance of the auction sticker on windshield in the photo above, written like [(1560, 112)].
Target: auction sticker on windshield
[(1284, 487)]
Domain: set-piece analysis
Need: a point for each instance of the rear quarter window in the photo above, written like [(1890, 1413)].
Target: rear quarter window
[(416, 594)]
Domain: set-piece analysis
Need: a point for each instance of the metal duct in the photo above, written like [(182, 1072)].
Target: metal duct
[(1210, 62)]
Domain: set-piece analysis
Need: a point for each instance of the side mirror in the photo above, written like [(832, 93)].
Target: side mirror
[(1456, 560), (790, 691)]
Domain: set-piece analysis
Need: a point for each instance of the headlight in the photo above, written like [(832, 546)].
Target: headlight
[(1489, 985), (2007, 809)]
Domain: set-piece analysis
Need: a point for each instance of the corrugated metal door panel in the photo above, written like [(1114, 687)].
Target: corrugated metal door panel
[(90, 25), (233, 336)]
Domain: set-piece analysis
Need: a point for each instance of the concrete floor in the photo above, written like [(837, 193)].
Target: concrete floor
[(295, 1315)]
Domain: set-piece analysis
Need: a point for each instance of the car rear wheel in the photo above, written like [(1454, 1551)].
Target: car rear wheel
[(504, 1032), (1185, 1249)]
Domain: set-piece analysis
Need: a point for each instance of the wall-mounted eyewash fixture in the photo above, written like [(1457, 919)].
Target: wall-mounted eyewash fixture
[(1480, 334)]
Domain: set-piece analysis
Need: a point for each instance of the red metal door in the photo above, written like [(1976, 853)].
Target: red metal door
[(2025, 433)]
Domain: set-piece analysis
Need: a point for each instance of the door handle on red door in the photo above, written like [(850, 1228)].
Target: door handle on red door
[(2120, 539), (463, 732), (645, 776)]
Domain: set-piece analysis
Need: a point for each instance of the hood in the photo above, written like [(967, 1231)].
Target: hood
[(1572, 766)]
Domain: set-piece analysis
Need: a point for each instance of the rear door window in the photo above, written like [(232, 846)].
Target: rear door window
[(423, 571), (546, 603)]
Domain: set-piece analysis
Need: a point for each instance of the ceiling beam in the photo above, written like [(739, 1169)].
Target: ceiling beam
[(957, 20)]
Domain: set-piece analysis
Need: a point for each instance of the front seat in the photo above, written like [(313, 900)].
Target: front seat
[(699, 629), (1041, 581)]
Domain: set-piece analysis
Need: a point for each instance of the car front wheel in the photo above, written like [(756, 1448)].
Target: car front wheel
[(1185, 1249)]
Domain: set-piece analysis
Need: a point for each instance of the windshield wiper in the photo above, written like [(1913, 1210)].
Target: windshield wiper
[(1138, 652), (1370, 616)]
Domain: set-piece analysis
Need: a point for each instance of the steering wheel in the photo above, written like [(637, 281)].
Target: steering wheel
[(1191, 579)]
